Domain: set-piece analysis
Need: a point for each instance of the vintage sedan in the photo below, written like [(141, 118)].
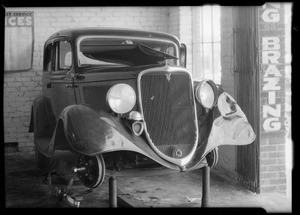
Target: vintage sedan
[(122, 99)]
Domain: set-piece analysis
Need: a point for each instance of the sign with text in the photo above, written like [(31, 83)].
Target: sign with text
[(272, 58), (19, 39)]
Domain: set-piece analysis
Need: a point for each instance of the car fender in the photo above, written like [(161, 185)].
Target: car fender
[(232, 127), (229, 127), (90, 132)]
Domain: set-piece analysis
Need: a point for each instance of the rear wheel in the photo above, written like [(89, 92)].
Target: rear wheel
[(90, 170), (43, 162), (43, 129)]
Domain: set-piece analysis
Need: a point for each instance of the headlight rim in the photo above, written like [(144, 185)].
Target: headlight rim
[(214, 88), (108, 95)]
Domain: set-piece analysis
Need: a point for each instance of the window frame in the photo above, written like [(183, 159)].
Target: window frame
[(205, 45), (79, 39), (54, 46), (48, 64)]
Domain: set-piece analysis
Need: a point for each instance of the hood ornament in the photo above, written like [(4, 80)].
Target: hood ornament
[(168, 75)]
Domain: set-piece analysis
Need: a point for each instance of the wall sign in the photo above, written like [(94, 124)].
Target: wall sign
[(19, 40), (271, 53)]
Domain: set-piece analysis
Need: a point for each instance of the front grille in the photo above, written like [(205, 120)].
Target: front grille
[(169, 111)]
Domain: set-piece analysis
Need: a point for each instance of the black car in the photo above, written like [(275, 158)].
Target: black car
[(122, 99)]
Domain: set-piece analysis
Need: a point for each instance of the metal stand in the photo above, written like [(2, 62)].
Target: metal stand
[(113, 192), (205, 186), (113, 197)]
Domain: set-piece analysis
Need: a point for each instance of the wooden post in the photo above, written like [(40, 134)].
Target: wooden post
[(205, 186), (113, 192)]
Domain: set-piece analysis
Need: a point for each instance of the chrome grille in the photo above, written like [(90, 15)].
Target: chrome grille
[(169, 111)]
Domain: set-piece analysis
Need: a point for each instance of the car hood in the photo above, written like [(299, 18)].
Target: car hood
[(133, 54)]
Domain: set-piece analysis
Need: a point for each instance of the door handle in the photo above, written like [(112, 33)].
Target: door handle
[(73, 85)]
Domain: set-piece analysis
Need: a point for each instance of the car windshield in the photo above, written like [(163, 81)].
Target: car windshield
[(125, 51)]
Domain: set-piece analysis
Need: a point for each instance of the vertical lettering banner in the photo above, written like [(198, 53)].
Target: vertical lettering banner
[(19, 40), (272, 31)]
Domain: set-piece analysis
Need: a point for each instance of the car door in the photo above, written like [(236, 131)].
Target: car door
[(58, 75)]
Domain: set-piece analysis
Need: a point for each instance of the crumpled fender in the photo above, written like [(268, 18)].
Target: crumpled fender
[(91, 132), (232, 127)]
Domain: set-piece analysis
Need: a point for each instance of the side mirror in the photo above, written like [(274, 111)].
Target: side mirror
[(183, 55)]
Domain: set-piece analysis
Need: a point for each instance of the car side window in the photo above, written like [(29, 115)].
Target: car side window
[(61, 56), (65, 55)]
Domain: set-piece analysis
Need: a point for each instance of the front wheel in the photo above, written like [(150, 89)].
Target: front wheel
[(90, 170)]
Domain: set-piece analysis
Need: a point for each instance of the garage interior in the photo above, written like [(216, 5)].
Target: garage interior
[(247, 50)]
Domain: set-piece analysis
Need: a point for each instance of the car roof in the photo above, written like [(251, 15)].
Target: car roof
[(74, 33)]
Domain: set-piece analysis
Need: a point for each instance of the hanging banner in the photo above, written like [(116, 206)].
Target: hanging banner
[(19, 40)]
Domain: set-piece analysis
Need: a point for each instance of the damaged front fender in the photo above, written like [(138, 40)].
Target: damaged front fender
[(232, 127)]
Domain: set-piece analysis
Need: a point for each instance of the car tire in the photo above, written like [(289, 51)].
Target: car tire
[(43, 162)]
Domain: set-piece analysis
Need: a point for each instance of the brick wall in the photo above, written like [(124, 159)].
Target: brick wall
[(288, 99), (21, 88), (180, 25), (227, 58), (273, 95), (185, 14), (174, 23)]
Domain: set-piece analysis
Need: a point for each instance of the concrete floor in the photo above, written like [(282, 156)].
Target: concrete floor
[(24, 187)]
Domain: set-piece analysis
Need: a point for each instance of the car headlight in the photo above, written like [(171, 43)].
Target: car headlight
[(121, 98), (206, 93)]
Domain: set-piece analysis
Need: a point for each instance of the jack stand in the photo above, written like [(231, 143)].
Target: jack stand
[(116, 200), (205, 186), (113, 197), (113, 192)]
